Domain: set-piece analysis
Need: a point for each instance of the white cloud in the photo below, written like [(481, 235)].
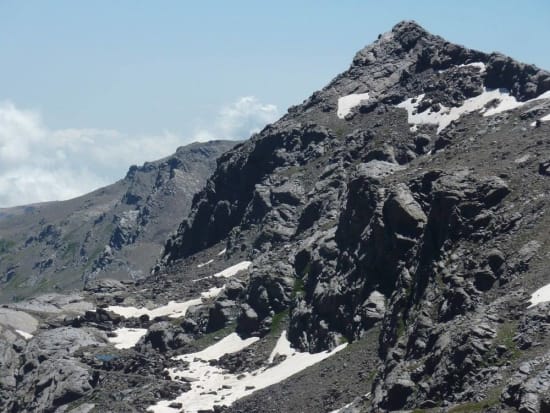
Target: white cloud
[(38, 164), (239, 120)]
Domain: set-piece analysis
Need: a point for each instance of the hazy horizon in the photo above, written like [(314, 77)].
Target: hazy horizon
[(92, 88)]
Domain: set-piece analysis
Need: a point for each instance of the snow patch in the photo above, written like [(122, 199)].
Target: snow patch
[(282, 348), (499, 101), (227, 345), (222, 252), (213, 292), (24, 334), (173, 309), (351, 407), (545, 118), (127, 337), (231, 387), (228, 272), (542, 295), (347, 103), (342, 409), (205, 263), (480, 65), (234, 269)]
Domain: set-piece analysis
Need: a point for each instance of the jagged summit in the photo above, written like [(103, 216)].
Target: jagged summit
[(389, 198), (405, 63)]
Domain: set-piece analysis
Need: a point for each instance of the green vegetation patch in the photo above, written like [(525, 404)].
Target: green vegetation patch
[(71, 250), (298, 288), (6, 246), (279, 321), (505, 337), (474, 406)]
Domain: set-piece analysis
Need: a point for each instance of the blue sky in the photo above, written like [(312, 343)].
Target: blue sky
[(171, 72)]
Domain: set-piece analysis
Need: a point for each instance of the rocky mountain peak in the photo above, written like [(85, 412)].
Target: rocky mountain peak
[(406, 63), (387, 239)]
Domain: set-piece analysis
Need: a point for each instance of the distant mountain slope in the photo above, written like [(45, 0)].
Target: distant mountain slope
[(116, 231)]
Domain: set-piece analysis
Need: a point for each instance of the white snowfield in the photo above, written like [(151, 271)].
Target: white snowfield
[(173, 309), (545, 118), (231, 387), (542, 295), (127, 337), (222, 252), (347, 103), (443, 118)]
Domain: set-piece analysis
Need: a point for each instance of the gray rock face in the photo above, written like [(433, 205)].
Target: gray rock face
[(164, 336), (48, 373), (11, 345)]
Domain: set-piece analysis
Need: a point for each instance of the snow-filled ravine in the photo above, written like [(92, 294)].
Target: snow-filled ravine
[(502, 99), (212, 385)]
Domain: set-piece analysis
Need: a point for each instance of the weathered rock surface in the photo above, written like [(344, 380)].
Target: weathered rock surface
[(419, 245), (113, 232)]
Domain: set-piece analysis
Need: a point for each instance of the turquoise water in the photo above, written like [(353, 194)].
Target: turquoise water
[(105, 357)]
